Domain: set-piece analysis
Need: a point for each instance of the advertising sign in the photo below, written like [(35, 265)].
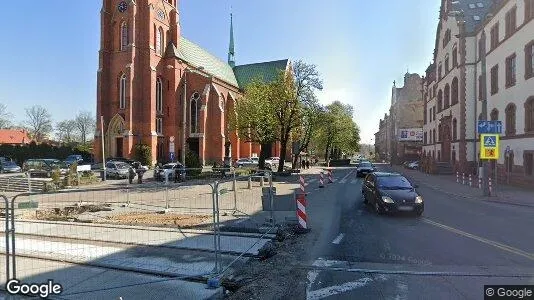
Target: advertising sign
[(410, 135)]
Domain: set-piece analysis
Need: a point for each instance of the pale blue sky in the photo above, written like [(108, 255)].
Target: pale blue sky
[(49, 52)]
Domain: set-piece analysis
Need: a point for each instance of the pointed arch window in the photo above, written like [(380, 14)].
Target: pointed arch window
[(454, 91), (510, 119), (159, 41), (529, 115), (122, 92), (124, 36), (159, 95), (494, 115), (454, 129), (440, 101), (447, 97), (194, 112)]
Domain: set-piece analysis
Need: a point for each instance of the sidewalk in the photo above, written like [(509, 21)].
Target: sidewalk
[(447, 184)]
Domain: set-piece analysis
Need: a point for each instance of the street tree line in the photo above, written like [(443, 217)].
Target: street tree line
[(287, 110), (40, 126)]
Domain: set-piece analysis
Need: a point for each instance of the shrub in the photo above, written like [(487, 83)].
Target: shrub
[(143, 154), (192, 161)]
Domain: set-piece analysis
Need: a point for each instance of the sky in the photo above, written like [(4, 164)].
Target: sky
[(49, 52)]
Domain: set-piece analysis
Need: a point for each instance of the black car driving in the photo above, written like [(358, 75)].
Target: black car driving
[(391, 193), (364, 168)]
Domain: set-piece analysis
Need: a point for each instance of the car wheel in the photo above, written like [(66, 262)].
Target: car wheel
[(419, 213), (378, 210)]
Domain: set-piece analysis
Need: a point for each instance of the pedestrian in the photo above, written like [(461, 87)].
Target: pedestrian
[(307, 164), (302, 164), (131, 175)]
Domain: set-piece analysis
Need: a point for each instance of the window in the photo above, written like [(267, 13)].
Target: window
[(440, 69), (510, 71), (528, 162), (159, 125), (480, 88), (455, 57), (529, 114), (194, 111), (447, 97), (529, 60), (424, 116), (440, 100), (454, 92), (454, 129), (430, 114), (434, 113), (434, 135), (511, 21), (494, 115), (447, 38), (494, 79), (440, 133), (159, 95), (447, 64), (425, 138), (529, 10), (481, 48), (494, 34), (124, 36), (510, 119), (122, 92), (480, 117), (159, 41)]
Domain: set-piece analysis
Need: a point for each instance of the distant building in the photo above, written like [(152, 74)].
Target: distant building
[(14, 137)]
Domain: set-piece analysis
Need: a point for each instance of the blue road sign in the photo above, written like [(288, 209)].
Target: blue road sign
[(172, 156), (489, 141), (489, 127)]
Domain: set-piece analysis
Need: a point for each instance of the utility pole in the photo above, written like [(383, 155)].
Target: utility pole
[(485, 169), (184, 117)]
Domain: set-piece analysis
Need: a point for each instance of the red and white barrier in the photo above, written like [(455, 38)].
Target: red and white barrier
[(490, 187), (321, 180), (330, 180), (463, 178), (457, 177), (470, 180), (301, 211), (302, 185), (480, 182)]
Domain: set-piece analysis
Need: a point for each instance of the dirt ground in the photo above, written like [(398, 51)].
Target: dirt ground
[(277, 277), (155, 219)]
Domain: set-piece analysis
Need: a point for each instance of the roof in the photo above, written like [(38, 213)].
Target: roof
[(239, 76), (475, 11), (14, 136), (265, 71)]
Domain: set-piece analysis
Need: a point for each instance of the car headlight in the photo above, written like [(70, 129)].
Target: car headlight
[(418, 199), (387, 199)]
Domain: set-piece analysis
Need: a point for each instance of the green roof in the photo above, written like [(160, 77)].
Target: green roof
[(265, 71), (240, 76)]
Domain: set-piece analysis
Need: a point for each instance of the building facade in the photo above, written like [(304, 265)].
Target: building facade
[(153, 85), (482, 70)]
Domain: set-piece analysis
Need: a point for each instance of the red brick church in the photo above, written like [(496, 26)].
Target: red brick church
[(148, 70)]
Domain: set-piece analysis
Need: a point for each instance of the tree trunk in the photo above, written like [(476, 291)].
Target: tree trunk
[(263, 155), (295, 161), (283, 148)]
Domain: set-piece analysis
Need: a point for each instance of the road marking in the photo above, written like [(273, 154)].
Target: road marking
[(482, 240), (338, 289), (338, 239), (354, 181), (312, 276), (343, 180)]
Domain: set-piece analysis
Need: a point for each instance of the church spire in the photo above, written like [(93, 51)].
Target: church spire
[(231, 51)]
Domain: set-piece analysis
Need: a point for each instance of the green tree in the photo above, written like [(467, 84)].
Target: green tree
[(255, 118), (311, 120)]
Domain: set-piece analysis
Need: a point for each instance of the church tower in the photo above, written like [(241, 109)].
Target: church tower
[(135, 78), (231, 50)]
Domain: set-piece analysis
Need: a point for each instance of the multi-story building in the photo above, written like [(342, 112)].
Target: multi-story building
[(381, 139), (154, 85), (483, 69)]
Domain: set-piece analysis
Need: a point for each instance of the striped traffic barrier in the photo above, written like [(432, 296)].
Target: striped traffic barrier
[(301, 211), (463, 178), (330, 180), (321, 180), (490, 188), (457, 177), (302, 185), (470, 181), (480, 182)]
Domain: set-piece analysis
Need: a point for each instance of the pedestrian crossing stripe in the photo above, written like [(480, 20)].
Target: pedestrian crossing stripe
[(489, 141)]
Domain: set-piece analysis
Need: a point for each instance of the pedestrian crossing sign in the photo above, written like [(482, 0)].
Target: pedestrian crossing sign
[(489, 146)]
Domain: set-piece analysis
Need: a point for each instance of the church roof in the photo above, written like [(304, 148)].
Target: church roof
[(264, 71), (239, 76)]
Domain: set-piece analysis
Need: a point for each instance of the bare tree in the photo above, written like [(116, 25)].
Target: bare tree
[(85, 123), (66, 131), (39, 122), (5, 117)]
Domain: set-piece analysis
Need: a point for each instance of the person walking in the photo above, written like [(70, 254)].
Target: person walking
[(131, 174)]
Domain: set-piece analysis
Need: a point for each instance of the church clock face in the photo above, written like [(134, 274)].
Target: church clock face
[(123, 6)]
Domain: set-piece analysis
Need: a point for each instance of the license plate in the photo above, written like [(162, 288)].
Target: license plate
[(405, 208)]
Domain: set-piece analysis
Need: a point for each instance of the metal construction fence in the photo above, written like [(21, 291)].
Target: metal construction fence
[(164, 229)]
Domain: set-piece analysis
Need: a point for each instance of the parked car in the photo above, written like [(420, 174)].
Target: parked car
[(131, 162), (44, 167), (117, 169), (255, 160), (7, 166), (243, 162), (391, 193), (74, 158), (170, 170), (272, 162), (364, 168), (413, 165)]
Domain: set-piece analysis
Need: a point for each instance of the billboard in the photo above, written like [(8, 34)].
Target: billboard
[(410, 135)]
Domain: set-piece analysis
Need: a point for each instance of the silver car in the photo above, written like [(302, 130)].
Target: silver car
[(117, 169), (9, 167)]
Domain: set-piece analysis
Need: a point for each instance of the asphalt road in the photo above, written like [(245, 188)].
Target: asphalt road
[(451, 252)]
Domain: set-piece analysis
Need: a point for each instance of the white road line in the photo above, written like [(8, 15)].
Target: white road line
[(354, 181), (343, 180), (338, 239), (240, 221), (312, 276), (346, 176)]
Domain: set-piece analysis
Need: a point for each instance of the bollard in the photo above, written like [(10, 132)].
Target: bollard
[(480, 182), (330, 180), (470, 181), (463, 178), (457, 177), (321, 182), (301, 211), (249, 183), (302, 185), (490, 188)]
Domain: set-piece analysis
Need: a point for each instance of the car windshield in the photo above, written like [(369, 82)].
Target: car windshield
[(365, 165), (168, 166), (394, 182), (9, 164), (122, 165)]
